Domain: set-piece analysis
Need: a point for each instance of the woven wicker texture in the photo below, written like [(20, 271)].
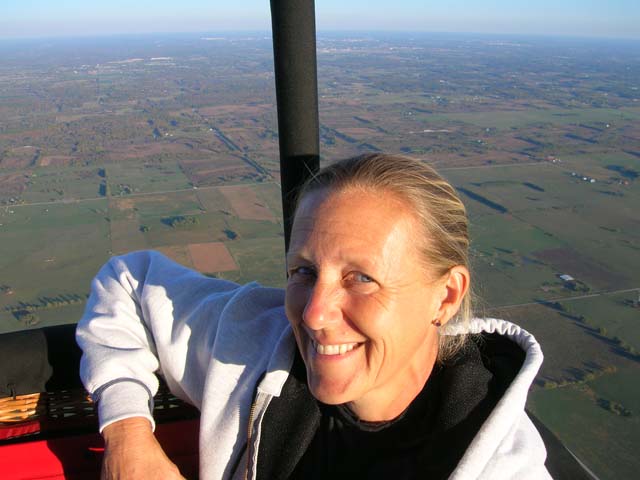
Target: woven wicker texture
[(74, 408)]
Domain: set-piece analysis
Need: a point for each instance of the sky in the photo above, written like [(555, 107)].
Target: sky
[(591, 18)]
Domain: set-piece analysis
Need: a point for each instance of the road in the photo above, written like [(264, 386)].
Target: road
[(142, 194), (565, 299), (497, 165), (63, 201)]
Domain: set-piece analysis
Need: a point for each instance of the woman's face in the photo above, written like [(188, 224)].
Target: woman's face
[(360, 301)]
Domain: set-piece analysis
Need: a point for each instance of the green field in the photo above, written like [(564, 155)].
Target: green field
[(48, 184), (46, 318), (51, 250), (609, 445), (213, 200), (259, 259), (552, 223), (614, 313), (270, 193), (100, 156), (522, 118), (128, 177)]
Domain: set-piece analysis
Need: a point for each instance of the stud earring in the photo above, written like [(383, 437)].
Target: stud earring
[(436, 322)]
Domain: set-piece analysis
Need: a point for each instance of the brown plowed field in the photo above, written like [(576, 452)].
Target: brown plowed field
[(13, 184), (235, 110), (361, 133), (20, 157), (211, 257), (146, 150), (56, 160), (246, 204)]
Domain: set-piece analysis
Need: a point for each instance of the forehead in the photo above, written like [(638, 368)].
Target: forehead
[(350, 221)]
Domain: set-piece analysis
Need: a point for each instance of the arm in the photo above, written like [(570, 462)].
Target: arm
[(144, 307), (147, 314), (132, 451), (212, 341)]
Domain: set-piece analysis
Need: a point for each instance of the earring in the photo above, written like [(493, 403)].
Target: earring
[(436, 322)]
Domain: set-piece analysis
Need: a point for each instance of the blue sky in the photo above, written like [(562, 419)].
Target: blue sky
[(611, 18)]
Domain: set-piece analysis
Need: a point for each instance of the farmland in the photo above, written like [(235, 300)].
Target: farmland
[(114, 145)]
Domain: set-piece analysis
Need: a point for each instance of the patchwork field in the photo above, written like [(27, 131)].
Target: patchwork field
[(609, 444), (100, 156), (245, 203), (42, 245), (211, 257)]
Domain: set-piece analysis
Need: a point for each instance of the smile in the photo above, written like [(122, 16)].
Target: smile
[(340, 349)]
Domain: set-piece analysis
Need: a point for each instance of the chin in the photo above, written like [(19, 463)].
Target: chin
[(330, 393)]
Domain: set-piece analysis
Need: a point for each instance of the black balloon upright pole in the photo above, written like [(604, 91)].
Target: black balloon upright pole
[(294, 49)]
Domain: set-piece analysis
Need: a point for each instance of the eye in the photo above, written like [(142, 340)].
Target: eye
[(359, 277), (303, 272)]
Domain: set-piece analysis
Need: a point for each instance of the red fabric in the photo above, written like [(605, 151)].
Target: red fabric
[(17, 430), (79, 457)]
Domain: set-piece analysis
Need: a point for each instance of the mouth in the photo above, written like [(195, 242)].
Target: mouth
[(337, 349)]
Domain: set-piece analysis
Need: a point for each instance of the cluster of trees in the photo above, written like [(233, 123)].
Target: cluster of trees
[(181, 221), (61, 300), (587, 377), (104, 190), (614, 407), (27, 317), (481, 199), (577, 286), (618, 341), (609, 405), (602, 331), (557, 306), (123, 189), (629, 173)]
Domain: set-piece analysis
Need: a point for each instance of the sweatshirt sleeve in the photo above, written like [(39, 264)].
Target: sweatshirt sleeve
[(147, 314)]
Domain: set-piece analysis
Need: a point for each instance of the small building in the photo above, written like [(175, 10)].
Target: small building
[(567, 278)]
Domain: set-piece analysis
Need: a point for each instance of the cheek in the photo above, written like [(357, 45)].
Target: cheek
[(368, 316)]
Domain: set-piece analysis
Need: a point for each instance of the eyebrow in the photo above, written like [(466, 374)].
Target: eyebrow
[(363, 265), (295, 255)]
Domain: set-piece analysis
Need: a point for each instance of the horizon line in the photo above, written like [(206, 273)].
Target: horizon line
[(318, 32)]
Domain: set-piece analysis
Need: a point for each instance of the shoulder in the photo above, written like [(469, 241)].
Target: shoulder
[(517, 452), (153, 276), (507, 445), (177, 301)]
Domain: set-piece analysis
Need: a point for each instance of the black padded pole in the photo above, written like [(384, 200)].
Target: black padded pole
[(294, 49)]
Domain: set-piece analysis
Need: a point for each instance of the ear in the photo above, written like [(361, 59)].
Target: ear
[(455, 287)]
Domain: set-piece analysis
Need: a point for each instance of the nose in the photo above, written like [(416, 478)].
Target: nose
[(323, 307)]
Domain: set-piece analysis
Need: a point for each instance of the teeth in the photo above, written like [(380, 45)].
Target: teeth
[(334, 349)]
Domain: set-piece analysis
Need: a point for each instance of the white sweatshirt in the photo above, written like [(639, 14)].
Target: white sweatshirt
[(228, 349)]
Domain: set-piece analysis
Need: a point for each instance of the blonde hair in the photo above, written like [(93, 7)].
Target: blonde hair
[(435, 203)]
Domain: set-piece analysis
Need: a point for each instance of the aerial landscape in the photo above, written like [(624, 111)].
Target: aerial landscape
[(170, 142)]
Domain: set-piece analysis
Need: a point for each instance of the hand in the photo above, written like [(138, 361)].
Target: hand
[(131, 451)]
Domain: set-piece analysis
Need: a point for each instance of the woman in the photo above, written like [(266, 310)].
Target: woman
[(362, 369)]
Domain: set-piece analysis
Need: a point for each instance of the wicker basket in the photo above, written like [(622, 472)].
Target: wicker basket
[(20, 408), (64, 410)]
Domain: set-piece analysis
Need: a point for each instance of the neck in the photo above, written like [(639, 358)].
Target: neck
[(389, 403)]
